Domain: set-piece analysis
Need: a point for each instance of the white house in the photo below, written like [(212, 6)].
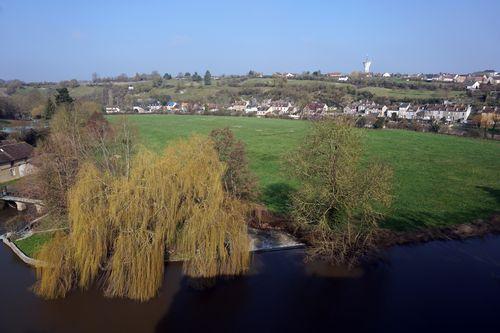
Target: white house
[(239, 106), (139, 109), (475, 86), (262, 111), (343, 78), (386, 75), (447, 113), (279, 107), (251, 108), (113, 109), (403, 110)]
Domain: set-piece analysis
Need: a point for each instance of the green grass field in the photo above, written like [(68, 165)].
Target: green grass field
[(31, 245), (439, 180)]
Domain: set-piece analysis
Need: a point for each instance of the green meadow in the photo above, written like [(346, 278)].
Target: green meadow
[(31, 245), (439, 180)]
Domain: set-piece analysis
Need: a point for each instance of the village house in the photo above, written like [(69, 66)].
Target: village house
[(239, 106), (460, 78), (447, 112), (386, 75), (392, 110), (279, 107), (334, 74), (445, 78), (291, 111), (262, 111), (375, 109), (251, 108), (343, 78), (182, 107), (315, 108), (14, 160), (212, 107), (474, 86), (403, 110), (170, 106), (139, 109)]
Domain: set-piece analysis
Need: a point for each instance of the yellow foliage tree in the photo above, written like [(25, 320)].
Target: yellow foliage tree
[(122, 227)]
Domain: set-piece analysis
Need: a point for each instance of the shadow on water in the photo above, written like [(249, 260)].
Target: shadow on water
[(277, 197), (434, 287)]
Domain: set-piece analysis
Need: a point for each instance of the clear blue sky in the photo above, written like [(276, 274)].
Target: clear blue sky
[(55, 40)]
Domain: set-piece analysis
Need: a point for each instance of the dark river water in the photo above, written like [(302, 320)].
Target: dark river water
[(434, 287)]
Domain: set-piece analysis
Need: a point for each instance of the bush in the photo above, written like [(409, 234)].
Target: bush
[(341, 201), (238, 180), (380, 123)]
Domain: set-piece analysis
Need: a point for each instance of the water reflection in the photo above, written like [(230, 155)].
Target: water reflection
[(438, 286)]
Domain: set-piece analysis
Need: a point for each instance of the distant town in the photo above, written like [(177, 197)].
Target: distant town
[(415, 101)]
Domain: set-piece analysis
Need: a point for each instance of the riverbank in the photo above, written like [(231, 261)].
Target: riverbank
[(27, 244), (385, 238), (477, 228)]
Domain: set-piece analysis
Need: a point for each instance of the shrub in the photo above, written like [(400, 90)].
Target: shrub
[(238, 180), (341, 199), (380, 123)]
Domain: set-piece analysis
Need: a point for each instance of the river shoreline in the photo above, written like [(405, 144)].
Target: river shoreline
[(272, 232), (385, 238)]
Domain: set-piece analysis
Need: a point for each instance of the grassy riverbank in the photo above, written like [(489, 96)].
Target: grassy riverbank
[(439, 180), (32, 244)]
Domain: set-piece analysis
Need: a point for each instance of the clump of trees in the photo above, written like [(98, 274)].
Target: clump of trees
[(126, 213), (78, 133), (342, 196), (123, 225)]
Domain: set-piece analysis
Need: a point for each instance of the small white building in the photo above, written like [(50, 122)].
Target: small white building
[(113, 109), (279, 107), (262, 111), (344, 78), (386, 75), (251, 108), (139, 109), (475, 86)]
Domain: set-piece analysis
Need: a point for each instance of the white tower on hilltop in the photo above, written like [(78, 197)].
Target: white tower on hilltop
[(366, 64)]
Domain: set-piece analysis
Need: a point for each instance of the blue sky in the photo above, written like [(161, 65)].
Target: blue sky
[(55, 40)]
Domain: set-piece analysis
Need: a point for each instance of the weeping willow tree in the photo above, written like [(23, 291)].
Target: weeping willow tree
[(122, 228)]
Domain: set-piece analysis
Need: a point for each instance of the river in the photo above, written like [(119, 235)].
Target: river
[(433, 287)]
